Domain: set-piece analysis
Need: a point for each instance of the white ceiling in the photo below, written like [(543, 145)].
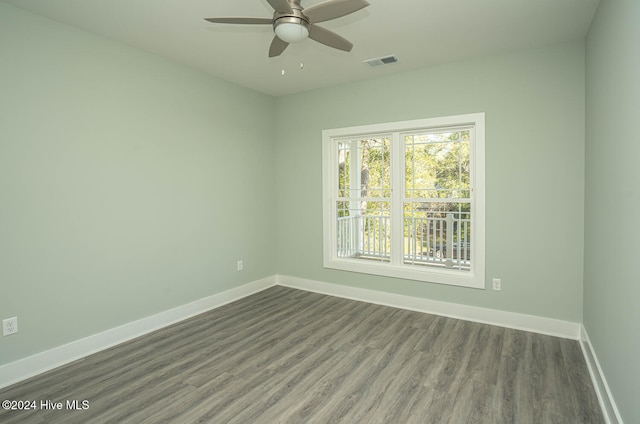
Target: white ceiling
[(420, 32)]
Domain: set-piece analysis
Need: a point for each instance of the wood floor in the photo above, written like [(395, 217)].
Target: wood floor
[(290, 356)]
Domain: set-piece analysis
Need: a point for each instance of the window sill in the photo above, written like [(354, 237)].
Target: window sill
[(409, 272)]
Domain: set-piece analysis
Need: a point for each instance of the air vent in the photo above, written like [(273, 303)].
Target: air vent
[(379, 61)]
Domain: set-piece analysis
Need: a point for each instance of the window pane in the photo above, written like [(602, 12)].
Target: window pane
[(364, 232), (364, 168), (375, 167), (438, 165), (438, 234)]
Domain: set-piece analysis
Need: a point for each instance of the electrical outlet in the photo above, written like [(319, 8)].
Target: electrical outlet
[(497, 284), (9, 326), (240, 266)]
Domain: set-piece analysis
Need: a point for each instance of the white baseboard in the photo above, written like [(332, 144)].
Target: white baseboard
[(28, 367), (24, 368), (607, 403), (536, 324)]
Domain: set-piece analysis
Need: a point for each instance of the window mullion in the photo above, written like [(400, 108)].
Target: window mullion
[(397, 199)]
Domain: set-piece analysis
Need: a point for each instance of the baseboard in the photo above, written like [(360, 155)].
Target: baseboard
[(41, 362), (607, 403), (24, 368), (536, 324)]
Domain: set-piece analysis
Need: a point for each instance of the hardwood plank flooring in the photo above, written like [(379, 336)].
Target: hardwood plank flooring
[(290, 356)]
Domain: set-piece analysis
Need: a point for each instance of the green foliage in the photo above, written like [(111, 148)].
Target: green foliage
[(438, 166)]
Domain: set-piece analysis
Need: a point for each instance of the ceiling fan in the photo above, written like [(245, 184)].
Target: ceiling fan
[(292, 23)]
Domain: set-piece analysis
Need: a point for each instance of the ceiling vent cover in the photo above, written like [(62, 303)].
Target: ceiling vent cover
[(379, 61)]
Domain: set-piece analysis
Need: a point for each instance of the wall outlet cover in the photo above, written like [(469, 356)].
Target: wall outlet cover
[(9, 326), (497, 284)]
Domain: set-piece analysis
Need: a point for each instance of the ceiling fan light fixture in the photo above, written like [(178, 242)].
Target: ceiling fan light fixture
[(291, 29)]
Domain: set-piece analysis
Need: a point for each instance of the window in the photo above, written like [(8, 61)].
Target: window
[(406, 199)]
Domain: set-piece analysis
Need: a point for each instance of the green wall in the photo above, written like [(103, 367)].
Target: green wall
[(128, 184), (534, 105), (612, 204)]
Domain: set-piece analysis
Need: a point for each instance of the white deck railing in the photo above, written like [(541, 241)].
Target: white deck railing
[(426, 240)]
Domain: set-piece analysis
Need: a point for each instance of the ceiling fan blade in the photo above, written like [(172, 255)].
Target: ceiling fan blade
[(333, 9), (277, 47), (280, 5), (329, 38), (263, 21)]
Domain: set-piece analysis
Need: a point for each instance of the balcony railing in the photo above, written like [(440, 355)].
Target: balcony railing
[(434, 241)]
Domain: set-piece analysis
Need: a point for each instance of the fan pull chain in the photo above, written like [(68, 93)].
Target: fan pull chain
[(301, 66)]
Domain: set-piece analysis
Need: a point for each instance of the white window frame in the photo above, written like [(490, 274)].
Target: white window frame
[(473, 278)]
